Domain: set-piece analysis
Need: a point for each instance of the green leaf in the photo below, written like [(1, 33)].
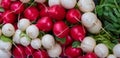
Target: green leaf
[(75, 44), (1, 9), (61, 40), (6, 39)]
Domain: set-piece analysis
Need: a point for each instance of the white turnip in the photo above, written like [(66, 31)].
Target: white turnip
[(116, 50), (5, 54), (36, 43), (5, 45), (111, 56), (53, 2), (25, 41)]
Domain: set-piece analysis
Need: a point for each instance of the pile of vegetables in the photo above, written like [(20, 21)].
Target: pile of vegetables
[(59, 29)]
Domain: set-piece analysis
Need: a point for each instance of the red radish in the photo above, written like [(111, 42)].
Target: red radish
[(81, 57), (45, 24), (78, 32), (41, 6), (60, 29), (9, 17), (31, 13), (40, 54), (73, 16), (29, 50), (57, 12), (73, 52), (1, 20), (18, 7), (44, 12), (6, 4), (18, 52), (15, 26), (91, 55)]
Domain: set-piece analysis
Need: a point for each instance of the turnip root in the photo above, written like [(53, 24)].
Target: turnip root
[(53, 2), (68, 4), (116, 50), (86, 5), (88, 44), (111, 56), (23, 24), (25, 41), (101, 50), (16, 37), (5, 54), (48, 41), (32, 31), (5, 45), (24, 1), (55, 51), (36, 43), (8, 30), (40, 1)]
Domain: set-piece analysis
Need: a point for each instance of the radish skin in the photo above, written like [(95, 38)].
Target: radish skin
[(116, 50), (68, 4), (23, 24), (36, 43), (86, 5), (101, 50), (16, 36), (32, 31), (5, 45), (55, 51), (88, 44), (8, 30), (5, 54), (40, 1), (48, 41), (111, 56), (25, 41), (53, 2)]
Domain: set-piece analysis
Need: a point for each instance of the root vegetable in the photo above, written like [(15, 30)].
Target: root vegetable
[(40, 1), (6, 4), (36, 43), (24, 1), (5, 45), (91, 55), (40, 54), (111, 56), (25, 41), (29, 50), (116, 50), (53, 2), (5, 54)]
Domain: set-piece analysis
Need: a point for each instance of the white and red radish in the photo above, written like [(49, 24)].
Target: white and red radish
[(60, 29), (16, 36), (29, 51), (111, 56), (25, 41), (8, 30), (5, 54), (57, 12), (90, 55), (116, 50), (55, 51), (31, 13), (40, 1), (73, 52), (40, 54), (48, 41), (6, 4), (23, 24), (17, 7), (101, 50), (78, 32), (25, 1), (68, 4), (86, 5), (45, 24), (32, 31), (36, 43), (8, 17), (53, 2), (73, 16), (88, 44), (5, 45)]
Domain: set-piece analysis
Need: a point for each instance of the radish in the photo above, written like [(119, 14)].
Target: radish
[(36, 43), (16, 36), (60, 29), (101, 50), (55, 51), (25, 41), (73, 16), (116, 50), (6, 4), (78, 32), (0, 32), (8, 30), (1, 20), (29, 51), (45, 24), (91, 55), (31, 13), (44, 12), (68, 4), (25, 1), (5, 45), (41, 6), (40, 54), (86, 5), (8, 17), (40, 1), (32, 31), (18, 52), (111, 56), (53, 2), (57, 12), (88, 44), (73, 52), (23, 24), (17, 7), (48, 41), (5, 54)]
